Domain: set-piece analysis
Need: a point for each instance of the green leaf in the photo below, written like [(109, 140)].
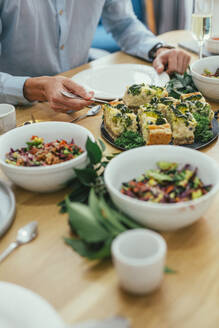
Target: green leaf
[(90, 251), (75, 184), (129, 223), (109, 214), (173, 93), (86, 176), (169, 270), (63, 208), (83, 222), (102, 145), (81, 197), (79, 193), (180, 84), (93, 202), (93, 151), (104, 163), (109, 157), (97, 212)]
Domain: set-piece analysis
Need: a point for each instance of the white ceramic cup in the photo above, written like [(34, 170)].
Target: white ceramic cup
[(139, 259), (7, 118)]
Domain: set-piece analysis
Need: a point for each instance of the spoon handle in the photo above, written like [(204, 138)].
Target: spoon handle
[(79, 118), (8, 250), (73, 96)]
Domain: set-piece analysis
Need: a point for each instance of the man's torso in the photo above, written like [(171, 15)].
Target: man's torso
[(45, 37)]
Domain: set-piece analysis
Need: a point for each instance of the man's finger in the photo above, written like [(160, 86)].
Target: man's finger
[(180, 66), (75, 104), (158, 65), (77, 89), (186, 62), (68, 103), (172, 62)]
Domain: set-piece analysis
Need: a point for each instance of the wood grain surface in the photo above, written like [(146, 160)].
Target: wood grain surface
[(81, 290)]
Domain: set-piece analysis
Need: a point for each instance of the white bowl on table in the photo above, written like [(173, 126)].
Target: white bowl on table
[(44, 178), (133, 163), (208, 86), (22, 308), (212, 44)]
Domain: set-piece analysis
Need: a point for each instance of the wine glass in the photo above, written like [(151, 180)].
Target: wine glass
[(202, 21)]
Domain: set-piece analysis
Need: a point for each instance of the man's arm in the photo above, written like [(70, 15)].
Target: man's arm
[(135, 39), (25, 90), (131, 35), (11, 89), (48, 88)]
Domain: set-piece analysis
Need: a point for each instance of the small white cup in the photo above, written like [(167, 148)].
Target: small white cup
[(7, 118), (139, 259)]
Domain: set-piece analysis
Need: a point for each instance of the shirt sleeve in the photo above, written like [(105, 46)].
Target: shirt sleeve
[(11, 89), (131, 35)]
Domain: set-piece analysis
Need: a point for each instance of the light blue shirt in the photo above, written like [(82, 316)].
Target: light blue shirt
[(47, 37)]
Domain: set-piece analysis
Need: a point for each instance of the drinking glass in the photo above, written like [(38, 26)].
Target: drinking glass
[(202, 22), (139, 258)]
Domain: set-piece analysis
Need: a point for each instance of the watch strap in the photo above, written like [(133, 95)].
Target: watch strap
[(152, 52)]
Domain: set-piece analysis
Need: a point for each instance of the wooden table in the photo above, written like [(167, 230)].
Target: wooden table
[(79, 289)]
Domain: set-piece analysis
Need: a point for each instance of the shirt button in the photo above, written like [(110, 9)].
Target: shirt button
[(60, 12), (62, 47)]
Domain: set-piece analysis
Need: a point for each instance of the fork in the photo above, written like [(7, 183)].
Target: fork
[(73, 96)]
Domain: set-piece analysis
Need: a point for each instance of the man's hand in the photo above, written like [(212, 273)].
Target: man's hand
[(49, 89), (171, 60)]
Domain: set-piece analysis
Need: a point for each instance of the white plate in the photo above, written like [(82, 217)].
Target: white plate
[(21, 308), (7, 207), (110, 82)]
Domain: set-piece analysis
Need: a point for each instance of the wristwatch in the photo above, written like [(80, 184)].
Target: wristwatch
[(152, 52)]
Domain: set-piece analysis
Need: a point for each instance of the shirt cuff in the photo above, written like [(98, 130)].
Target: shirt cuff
[(148, 47), (13, 90), (143, 48)]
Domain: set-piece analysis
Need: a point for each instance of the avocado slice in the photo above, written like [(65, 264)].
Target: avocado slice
[(196, 194), (167, 166)]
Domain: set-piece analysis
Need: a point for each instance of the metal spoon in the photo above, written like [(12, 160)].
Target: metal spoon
[(73, 96), (93, 111), (24, 235)]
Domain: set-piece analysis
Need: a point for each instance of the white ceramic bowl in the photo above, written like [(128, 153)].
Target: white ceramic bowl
[(22, 308), (131, 164), (7, 118), (207, 85), (48, 178), (212, 45)]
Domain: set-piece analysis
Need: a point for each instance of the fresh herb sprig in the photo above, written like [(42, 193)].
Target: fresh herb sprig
[(95, 226), (89, 177), (93, 218)]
